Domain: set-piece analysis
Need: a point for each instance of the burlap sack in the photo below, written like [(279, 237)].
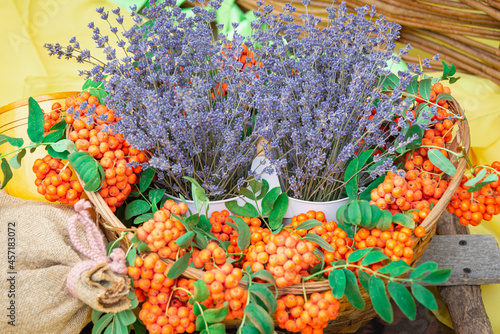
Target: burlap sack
[(36, 258)]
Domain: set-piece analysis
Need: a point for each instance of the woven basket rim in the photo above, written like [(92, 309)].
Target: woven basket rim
[(461, 138)]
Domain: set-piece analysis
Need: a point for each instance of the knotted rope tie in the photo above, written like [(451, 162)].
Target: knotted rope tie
[(96, 251)]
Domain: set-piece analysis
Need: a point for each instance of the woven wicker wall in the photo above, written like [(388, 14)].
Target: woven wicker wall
[(464, 32)]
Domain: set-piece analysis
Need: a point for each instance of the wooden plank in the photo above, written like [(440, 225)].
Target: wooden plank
[(473, 259), (464, 302)]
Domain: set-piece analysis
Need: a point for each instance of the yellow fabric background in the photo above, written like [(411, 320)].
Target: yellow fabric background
[(26, 70)]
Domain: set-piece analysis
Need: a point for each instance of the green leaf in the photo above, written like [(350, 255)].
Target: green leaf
[(204, 223), (179, 266), (192, 220), (437, 277), (403, 299), (15, 161), (313, 237), (201, 291), (477, 178), (116, 327), (146, 179), (155, 195), (444, 97), (352, 290), (53, 136), (404, 219), (35, 121), (216, 315), (414, 129), (424, 296), (249, 329), (17, 142), (381, 302), (102, 323), (266, 276), (132, 253), (395, 268), (424, 87), (133, 299), (248, 210), (366, 194), (278, 212), (143, 218), (193, 181), (64, 145), (412, 88), (452, 71), (244, 232), (126, 317), (353, 213), (453, 80), (373, 257), (269, 200), (424, 268), (219, 328), (487, 180), (351, 176), (197, 308), (136, 208), (263, 190), (139, 327), (446, 69), (142, 247), (96, 315), (441, 162), (95, 183), (7, 173), (358, 254), (309, 224), (337, 281), (247, 193), (364, 279), (265, 296), (185, 240), (260, 318), (199, 193), (200, 325)]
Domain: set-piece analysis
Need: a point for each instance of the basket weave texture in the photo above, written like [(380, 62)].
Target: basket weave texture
[(349, 319), (464, 32)]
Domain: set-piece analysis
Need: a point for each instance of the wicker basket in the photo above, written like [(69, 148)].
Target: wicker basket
[(464, 32), (349, 319)]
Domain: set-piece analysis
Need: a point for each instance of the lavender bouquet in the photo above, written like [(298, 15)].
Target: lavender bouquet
[(323, 97), (181, 95)]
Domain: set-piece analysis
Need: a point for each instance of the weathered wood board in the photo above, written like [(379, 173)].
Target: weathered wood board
[(473, 259)]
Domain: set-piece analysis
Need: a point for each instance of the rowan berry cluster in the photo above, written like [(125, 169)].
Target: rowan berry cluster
[(413, 191), (111, 149), (312, 316), (443, 105), (162, 230), (166, 309), (52, 118), (223, 286), (54, 182), (285, 255), (212, 254), (474, 207), (396, 243), (329, 231)]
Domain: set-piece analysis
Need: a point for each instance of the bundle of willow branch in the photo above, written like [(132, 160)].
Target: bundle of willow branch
[(461, 31)]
